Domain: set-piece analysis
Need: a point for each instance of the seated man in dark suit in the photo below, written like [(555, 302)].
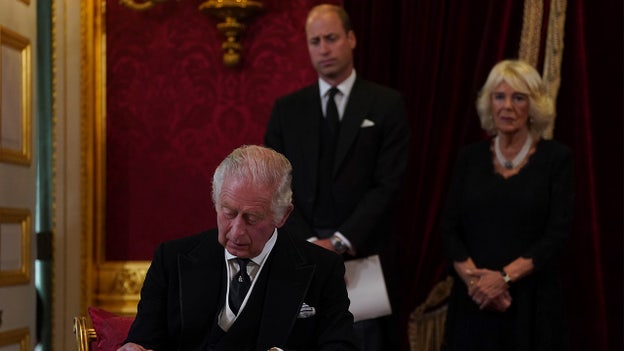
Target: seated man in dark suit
[(289, 294)]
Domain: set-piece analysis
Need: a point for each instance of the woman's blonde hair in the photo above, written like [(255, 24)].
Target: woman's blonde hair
[(523, 78)]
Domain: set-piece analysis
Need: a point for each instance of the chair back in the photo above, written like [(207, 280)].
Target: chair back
[(85, 336), (426, 322)]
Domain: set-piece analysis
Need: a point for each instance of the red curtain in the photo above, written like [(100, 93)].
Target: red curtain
[(438, 54)]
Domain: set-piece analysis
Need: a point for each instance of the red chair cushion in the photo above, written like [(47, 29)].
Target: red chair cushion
[(110, 328)]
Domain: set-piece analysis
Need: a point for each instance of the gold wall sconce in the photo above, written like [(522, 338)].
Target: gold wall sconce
[(231, 13)]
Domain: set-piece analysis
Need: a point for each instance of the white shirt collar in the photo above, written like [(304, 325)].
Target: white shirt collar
[(265, 251), (226, 316), (345, 86)]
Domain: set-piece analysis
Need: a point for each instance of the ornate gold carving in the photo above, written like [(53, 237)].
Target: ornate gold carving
[(554, 53), (530, 40), (119, 285), (232, 13), (127, 281), (530, 44)]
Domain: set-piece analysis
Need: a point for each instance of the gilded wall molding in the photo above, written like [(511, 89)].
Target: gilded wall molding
[(114, 286), (54, 58), (15, 339), (88, 51)]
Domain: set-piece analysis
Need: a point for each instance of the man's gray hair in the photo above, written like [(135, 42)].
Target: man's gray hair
[(258, 165)]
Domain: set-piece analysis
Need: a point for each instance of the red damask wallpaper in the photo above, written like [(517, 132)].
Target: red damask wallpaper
[(174, 111)]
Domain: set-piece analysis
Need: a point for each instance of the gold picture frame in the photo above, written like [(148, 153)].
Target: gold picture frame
[(15, 97), (15, 231), (15, 337)]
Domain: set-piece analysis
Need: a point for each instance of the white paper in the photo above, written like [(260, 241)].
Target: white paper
[(367, 288)]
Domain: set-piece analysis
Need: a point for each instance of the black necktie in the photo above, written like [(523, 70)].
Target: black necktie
[(239, 285), (331, 112)]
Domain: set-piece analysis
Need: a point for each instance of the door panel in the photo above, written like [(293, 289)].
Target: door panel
[(18, 30)]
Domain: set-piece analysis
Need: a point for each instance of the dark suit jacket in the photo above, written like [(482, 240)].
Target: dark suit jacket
[(369, 164), (184, 291)]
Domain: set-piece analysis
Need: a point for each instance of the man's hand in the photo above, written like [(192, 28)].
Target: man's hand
[(132, 347)]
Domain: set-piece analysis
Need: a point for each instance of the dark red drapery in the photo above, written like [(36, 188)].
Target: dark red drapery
[(438, 55)]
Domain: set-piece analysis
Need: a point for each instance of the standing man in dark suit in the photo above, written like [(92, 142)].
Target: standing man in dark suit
[(347, 140), (247, 285)]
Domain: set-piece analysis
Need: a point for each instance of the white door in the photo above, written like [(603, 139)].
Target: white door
[(18, 29)]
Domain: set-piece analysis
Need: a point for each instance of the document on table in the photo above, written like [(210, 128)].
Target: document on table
[(367, 288)]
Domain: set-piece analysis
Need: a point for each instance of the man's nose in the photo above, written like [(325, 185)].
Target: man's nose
[(323, 46), (238, 227)]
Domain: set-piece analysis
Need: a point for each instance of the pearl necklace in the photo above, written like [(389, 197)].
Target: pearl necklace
[(519, 157)]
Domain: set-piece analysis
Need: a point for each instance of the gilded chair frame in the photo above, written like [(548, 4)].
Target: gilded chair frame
[(84, 335)]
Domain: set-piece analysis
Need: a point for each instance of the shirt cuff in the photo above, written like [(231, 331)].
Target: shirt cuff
[(345, 241)]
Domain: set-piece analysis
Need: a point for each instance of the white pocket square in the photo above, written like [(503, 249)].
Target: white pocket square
[(367, 123), (306, 311)]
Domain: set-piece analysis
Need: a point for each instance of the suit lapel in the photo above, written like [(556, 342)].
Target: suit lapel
[(311, 121), (289, 278), (202, 274), (354, 114)]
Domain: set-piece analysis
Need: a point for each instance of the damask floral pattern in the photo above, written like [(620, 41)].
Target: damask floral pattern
[(174, 111)]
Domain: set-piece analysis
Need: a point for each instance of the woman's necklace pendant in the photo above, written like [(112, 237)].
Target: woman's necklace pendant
[(511, 164)]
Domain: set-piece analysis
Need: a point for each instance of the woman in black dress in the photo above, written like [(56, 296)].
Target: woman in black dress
[(506, 220)]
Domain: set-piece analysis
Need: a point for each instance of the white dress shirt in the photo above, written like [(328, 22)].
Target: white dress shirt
[(341, 98), (227, 317)]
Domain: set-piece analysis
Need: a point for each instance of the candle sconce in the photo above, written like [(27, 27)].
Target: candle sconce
[(232, 13)]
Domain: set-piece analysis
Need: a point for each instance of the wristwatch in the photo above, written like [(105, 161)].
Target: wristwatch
[(506, 277), (337, 243)]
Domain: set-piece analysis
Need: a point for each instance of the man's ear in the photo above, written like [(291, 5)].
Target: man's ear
[(351, 39), (285, 217)]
